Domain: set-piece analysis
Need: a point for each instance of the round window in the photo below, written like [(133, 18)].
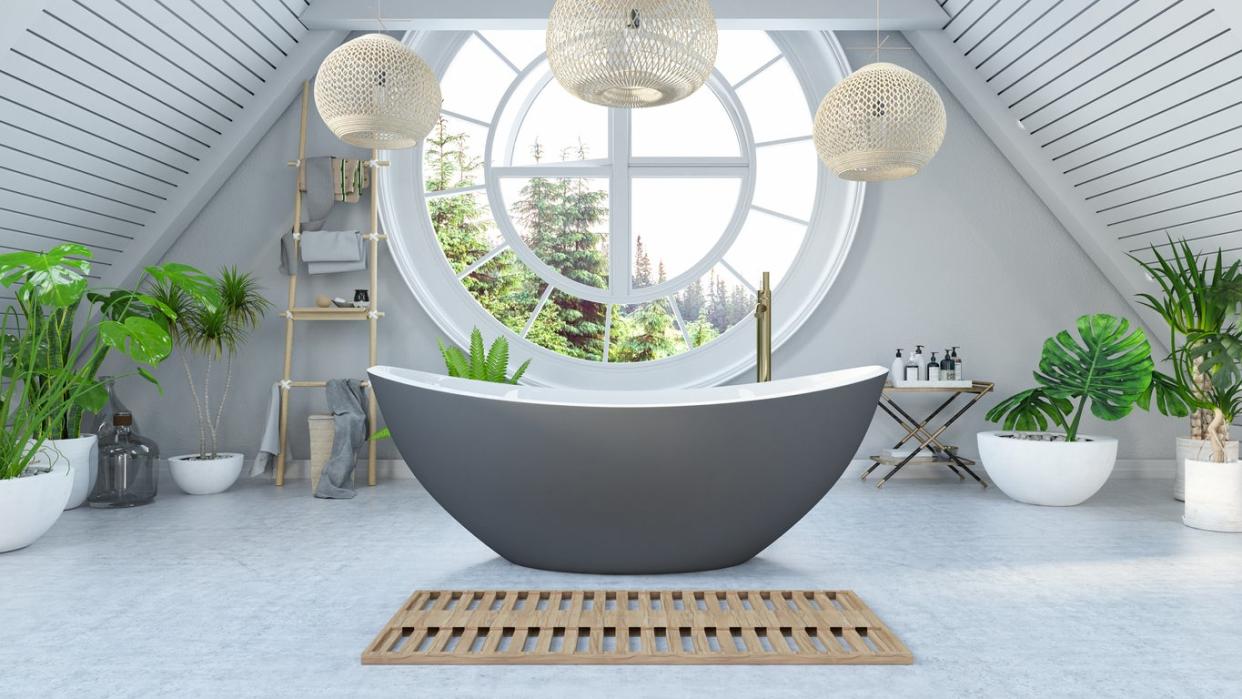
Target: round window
[(620, 247)]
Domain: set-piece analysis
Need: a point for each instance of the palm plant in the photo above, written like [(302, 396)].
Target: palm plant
[(1198, 298), (215, 333), (1219, 357), (1111, 368)]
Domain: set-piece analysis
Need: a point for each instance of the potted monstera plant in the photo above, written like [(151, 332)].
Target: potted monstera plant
[(1198, 296), (1107, 367), (49, 370)]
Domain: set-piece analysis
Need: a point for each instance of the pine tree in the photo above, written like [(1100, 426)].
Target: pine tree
[(642, 265), (649, 335), (661, 276), (691, 301), (559, 218), (701, 332)]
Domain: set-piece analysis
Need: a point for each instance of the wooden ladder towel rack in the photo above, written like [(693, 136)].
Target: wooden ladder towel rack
[(295, 313)]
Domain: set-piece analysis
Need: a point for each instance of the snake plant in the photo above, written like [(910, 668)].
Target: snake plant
[(1108, 366)]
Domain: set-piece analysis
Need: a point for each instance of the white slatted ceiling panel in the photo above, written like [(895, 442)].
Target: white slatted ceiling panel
[(1137, 103), (107, 107)]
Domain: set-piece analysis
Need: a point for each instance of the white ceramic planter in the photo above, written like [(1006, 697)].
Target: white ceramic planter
[(1057, 474), (29, 506), (205, 477), (81, 455), (1198, 449), (1214, 495)]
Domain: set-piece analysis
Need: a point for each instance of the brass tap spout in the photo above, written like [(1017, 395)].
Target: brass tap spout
[(763, 331)]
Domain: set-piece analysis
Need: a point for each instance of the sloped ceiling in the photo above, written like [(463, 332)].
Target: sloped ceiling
[(119, 119), (1125, 115)]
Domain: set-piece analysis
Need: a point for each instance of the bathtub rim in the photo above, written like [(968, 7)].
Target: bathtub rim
[(637, 398)]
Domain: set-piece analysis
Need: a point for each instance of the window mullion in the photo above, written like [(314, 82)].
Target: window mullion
[(619, 206)]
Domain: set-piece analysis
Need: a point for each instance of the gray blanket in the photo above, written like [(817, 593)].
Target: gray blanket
[(345, 403)]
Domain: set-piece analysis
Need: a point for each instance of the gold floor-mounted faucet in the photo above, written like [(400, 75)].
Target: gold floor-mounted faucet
[(763, 331)]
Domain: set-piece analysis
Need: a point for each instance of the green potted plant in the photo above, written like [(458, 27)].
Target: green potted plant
[(1108, 367), (49, 369), (214, 333), (1198, 295), (1213, 488)]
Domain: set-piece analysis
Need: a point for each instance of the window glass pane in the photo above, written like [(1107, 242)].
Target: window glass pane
[(766, 244), (775, 104), (742, 51), (560, 127), (570, 326), (713, 304), (644, 332), (676, 221), (453, 155), (564, 221), (787, 177), (696, 126), (475, 81), (508, 289), (518, 45)]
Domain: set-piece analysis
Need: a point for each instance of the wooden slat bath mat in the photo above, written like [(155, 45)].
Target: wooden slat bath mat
[(628, 627)]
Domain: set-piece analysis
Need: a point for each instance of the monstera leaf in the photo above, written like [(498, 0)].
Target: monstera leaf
[(1171, 398), (1031, 410), (1111, 367)]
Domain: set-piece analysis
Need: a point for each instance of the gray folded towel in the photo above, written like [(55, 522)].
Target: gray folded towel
[(345, 403), (326, 252)]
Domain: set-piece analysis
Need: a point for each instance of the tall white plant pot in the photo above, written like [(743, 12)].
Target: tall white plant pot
[(1199, 449), (1214, 495), (81, 456), (205, 476), (1050, 473), (29, 506)]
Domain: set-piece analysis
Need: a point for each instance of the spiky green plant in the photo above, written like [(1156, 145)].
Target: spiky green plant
[(215, 333), (491, 365), (1109, 367), (1199, 294)]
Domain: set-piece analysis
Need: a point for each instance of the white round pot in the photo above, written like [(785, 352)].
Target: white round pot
[(1057, 474), (1214, 495), (30, 505), (81, 456), (1201, 450), (205, 476)]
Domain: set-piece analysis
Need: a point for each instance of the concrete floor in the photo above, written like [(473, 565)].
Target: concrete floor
[(267, 592)]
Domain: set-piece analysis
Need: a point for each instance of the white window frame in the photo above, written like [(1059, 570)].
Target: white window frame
[(818, 62)]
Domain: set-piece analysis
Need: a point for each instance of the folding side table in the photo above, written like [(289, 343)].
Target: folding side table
[(924, 435)]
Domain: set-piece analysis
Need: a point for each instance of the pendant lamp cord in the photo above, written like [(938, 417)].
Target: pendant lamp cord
[(379, 14)]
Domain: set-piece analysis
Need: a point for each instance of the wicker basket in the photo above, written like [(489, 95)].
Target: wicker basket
[(322, 429)]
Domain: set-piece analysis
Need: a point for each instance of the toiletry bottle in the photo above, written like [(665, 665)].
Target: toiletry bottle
[(959, 370), (921, 360), (912, 370), (946, 368), (933, 369), (898, 370)]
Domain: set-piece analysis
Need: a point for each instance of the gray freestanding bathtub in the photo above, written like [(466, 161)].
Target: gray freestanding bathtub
[(628, 481)]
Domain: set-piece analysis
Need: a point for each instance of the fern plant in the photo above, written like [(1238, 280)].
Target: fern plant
[(1110, 367), (491, 365)]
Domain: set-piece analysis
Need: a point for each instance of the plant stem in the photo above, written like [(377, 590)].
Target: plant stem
[(228, 381), (198, 410), (211, 432), (1071, 435)]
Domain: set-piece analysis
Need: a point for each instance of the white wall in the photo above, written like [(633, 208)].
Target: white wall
[(963, 254)]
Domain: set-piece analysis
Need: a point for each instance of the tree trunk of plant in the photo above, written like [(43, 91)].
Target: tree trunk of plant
[(1218, 432), (228, 382), (198, 408), (1200, 420)]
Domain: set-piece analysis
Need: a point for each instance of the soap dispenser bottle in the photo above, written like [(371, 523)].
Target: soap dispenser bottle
[(898, 370), (959, 370), (946, 368), (933, 369), (921, 360)]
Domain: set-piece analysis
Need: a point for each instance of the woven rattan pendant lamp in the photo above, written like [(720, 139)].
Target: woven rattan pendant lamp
[(375, 92), (882, 122), (631, 53)]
